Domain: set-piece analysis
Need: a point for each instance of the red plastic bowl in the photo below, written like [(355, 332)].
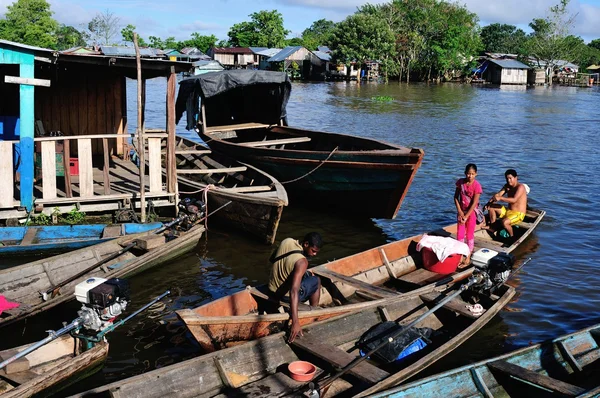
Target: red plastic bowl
[(302, 370), (431, 262)]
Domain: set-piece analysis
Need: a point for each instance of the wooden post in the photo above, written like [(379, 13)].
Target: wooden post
[(171, 164), (141, 150), (67, 162), (105, 171)]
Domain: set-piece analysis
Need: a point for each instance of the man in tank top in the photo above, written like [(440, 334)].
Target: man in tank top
[(290, 274)]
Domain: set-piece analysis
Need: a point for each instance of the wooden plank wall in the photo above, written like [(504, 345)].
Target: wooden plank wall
[(84, 102), (6, 174)]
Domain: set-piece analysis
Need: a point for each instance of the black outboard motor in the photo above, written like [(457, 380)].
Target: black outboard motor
[(190, 210)]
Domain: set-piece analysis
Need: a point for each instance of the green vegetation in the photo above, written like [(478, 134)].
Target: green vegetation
[(41, 219), (382, 98), (73, 217), (417, 39)]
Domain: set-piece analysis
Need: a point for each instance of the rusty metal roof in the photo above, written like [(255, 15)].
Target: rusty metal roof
[(231, 50)]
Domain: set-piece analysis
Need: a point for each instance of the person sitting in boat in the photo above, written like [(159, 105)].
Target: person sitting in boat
[(516, 197), (290, 274)]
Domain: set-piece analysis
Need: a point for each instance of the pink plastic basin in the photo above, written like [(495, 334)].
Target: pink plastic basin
[(302, 370)]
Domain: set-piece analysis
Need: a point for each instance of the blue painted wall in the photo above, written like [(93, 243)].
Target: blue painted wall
[(25, 59)]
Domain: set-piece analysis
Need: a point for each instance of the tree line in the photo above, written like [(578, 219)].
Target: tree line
[(412, 39)]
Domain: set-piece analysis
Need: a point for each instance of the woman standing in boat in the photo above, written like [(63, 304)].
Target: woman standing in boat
[(466, 198), (289, 273)]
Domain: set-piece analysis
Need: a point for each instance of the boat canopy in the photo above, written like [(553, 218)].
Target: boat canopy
[(234, 97)]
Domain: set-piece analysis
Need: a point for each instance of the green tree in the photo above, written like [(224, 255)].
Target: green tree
[(361, 37), (318, 34), (30, 22), (295, 41), (156, 42), (595, 44), (127, 33), (201, 42), (502, 38), (68, 37), (548, 43), (103, 28), (264, 30)]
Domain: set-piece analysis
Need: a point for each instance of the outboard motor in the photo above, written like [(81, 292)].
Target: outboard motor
[(190, 211), (103, 300), (494, 267)]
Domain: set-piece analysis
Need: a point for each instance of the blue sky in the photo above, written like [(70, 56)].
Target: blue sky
[(179, 18)]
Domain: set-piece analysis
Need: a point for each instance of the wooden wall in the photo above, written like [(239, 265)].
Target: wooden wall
[(83, 102)]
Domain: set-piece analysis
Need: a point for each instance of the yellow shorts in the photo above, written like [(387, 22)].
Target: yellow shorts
[(514, 216)]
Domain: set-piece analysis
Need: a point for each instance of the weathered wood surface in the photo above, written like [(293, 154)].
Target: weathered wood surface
[(52, 364), (48, 170), (282, 141), (7, 197), (23, 283)]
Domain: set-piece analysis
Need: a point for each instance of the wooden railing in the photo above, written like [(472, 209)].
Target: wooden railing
[(50, 193)]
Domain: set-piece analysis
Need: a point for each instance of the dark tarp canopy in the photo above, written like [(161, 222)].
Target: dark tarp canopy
[(234, 97)]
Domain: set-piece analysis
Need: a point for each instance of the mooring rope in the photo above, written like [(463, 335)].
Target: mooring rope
[(313, 170)]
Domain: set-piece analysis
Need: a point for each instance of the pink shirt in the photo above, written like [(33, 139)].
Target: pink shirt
[(468, 191)]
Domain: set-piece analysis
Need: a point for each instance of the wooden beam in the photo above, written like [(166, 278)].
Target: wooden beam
[(193, 152), (242, 126), (86, 171), (171, 166), (275, 142), (27, 81), (530, 376), (256, 188), (387, 263), (154, 165), (377, 291), (67, 160), (48, 170), (6, 174), (29, 237), (212, 171), (105, 171)]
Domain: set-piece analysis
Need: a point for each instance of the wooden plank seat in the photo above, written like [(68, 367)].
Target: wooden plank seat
[(212, 171), (257, 293), (111, 231), (282, 141), (532, 377), (29, 237), (379, 292), (192, 152), (241, 126), (457, 304), (255, 188), (421, 277), (339, 358)]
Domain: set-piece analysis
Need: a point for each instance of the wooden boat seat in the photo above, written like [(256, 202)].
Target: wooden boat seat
[(339, 358), (213, 171), (193, 152), (379, 292), (457, 305), (282, 141), (29, 237), (421, 277), (241, 126), (256, 188), (532, 377), (111, 231)]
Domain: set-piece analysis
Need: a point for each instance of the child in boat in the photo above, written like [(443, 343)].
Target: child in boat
[(466, 199)]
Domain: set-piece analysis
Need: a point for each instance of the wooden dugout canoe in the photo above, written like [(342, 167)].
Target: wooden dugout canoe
[(358, 281), (243, 113), (55, 363), (36, 239), (259, 368), (565, 366), (257, 199), (23, 284)]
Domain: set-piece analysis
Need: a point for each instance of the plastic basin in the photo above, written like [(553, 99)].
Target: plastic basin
[(302, 370)]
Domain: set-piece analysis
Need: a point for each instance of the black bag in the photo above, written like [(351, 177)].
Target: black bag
[(393, 350)]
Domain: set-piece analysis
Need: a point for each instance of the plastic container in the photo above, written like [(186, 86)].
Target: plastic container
[(433, 264), (481, 257), (74, 166), (302, 370)]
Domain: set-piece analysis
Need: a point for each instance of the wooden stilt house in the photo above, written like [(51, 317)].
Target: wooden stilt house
[(85, 165)]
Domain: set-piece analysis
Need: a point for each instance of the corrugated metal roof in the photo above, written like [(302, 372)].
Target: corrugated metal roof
[(509, 63), (323, 56), (269, 52), (283, 54), (231, 50), (115, 51), (25, 46), (208, 64), (256, 50)]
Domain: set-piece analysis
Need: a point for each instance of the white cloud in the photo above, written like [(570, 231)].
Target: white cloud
[(341, 5)]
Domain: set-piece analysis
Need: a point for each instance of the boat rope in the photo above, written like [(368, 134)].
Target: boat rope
[(313, 170), (205, 198)]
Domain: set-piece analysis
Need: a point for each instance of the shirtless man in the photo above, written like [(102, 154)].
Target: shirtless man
[(516, 197)]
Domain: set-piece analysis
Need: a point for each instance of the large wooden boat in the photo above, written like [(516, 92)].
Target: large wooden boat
[(257, 199), (358, 281), (56, 363), (243, 115), (566, 366), (259, 368), (25, 284), (57, 238)]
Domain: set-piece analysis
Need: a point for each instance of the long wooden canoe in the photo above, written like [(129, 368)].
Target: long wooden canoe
[(23, 284), (259, 368), (564, 366), (358, 281), (57, 238), (257, 199), (56, 363), (243, 115)]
